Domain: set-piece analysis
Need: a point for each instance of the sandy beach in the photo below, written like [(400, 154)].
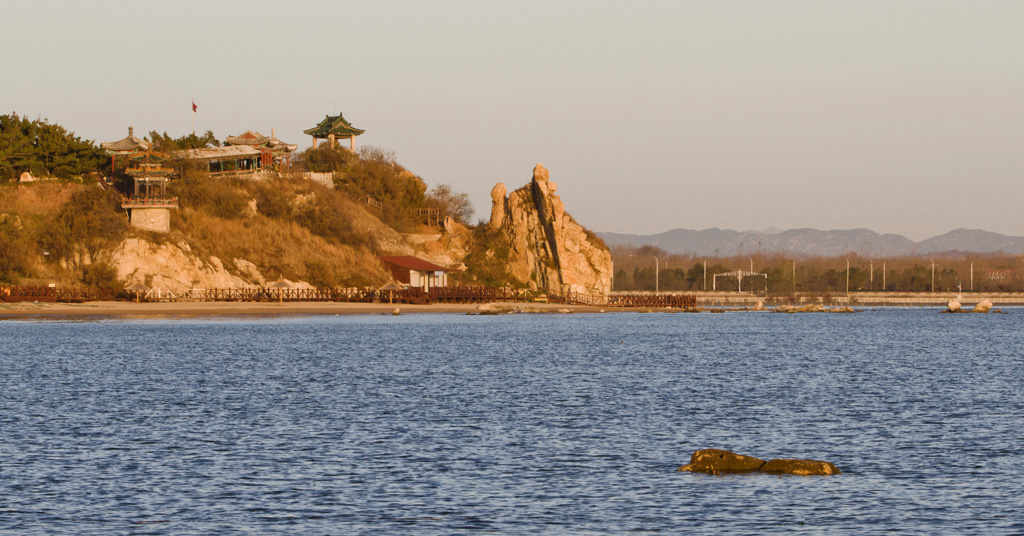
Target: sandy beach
[(32, 310)]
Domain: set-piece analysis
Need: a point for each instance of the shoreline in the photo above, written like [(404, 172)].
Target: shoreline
[(125, 310), (121, 309)]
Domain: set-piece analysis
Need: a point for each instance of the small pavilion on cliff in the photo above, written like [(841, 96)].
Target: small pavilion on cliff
[(334, 128), (150, 207)]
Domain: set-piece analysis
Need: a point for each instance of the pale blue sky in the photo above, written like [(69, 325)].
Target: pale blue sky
[(898, 116)]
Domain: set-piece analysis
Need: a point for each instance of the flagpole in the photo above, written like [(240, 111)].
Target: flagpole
[(193, 116)]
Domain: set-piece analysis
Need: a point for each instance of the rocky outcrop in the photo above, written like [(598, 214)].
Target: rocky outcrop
[(717, 461), (548, 249), (498, 203), (174, 267), (954, 306), (448, 248), (983, 306)]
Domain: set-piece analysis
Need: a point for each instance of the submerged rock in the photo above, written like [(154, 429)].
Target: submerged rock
[(717, 461), (799, 467)]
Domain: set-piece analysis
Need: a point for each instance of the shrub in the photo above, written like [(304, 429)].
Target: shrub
[(15, 248), (488, 262), (90, 222), (272, 199), (325, 158), (215, 196), (101, 275)]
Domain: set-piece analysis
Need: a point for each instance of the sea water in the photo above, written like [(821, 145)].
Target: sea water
[(514, 424)]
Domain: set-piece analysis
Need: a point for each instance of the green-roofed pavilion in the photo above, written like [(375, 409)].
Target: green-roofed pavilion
[(333, 128)]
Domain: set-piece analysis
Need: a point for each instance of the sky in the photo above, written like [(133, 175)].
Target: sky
[(898, 116)]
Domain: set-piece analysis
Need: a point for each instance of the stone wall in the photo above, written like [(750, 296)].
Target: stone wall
[(152, 219)]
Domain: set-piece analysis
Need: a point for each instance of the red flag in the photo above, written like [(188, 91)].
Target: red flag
[(194, 107)]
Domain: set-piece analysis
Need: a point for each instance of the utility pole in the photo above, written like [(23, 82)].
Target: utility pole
[(847, 276), (972, 276), (933, 276), (706, 274)]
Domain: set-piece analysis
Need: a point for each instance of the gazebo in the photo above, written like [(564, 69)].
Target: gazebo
[(127, 146), (333, 128), (149, 207)]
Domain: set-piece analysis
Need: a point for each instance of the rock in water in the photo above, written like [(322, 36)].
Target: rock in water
[(800, 467), (547, 249), (953, 306), (715, 461), (983, 306)]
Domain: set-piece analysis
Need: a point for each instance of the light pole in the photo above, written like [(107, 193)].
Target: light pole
[(751, 265), (972, 276), (656, 274), (933, 276), (847, 276), (705, 274), (656, 289)]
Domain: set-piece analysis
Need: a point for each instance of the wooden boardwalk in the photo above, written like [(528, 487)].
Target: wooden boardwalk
[(453, 295)]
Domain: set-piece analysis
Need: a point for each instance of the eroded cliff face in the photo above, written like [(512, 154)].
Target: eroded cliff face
[(174, 267), (548, 249)]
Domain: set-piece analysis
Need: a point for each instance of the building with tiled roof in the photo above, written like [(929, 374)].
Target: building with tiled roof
[(333, 128)]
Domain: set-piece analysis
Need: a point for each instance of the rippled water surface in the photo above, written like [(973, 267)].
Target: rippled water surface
[(519, 424)]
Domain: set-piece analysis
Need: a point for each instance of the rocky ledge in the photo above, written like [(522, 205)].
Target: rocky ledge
[(717, 461), (812, 308)]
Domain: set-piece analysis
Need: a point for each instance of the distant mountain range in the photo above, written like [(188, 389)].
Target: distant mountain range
[(812, 242)]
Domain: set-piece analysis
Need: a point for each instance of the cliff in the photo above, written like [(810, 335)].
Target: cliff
[(548, 249)]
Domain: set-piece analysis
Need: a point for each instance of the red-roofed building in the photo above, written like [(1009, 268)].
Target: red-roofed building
[(416, 272)]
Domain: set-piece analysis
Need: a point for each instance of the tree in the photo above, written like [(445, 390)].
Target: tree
[(326, 158), (45, 150), (165, 143), (89, 223), (450, 203)]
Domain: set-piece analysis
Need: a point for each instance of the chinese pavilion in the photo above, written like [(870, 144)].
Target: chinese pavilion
[(335, 128), (272, 150), (125, 147), (150, 208)]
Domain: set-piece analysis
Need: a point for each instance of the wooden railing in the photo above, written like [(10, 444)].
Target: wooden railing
[(149, 202), (681, 301), (460, 295)]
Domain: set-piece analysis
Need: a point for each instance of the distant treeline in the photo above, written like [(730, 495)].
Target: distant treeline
[(635, 270)]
